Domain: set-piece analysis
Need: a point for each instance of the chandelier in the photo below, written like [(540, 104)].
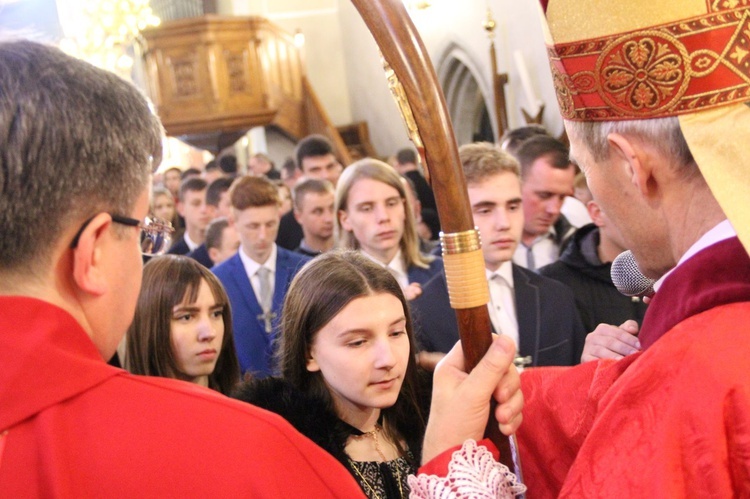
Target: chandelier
[(105, 32)]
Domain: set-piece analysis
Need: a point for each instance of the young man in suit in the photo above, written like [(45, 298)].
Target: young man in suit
[(313, 209), (222, 241), (546, 182), (257, 277), (538, 313), (315, 158), (217, 204), (192, 207)]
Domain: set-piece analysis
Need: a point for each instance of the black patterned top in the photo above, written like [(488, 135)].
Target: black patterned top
[(381, 480)]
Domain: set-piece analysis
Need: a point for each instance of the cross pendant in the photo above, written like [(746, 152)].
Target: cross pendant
[(267, 317)]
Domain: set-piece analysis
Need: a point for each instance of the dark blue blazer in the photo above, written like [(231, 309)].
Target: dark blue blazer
[(200, 254), (179, 247), (422, 276), (255, 348), (549, 327)]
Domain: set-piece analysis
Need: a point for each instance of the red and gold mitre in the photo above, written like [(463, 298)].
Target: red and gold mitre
[(672, 58), (642, 59)]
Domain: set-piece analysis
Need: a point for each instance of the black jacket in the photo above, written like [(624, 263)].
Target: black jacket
[(549, 329), (290, 232), (314, 418), (179, 247), (564, 232), (308, 415), (200, 254), (597, 299)]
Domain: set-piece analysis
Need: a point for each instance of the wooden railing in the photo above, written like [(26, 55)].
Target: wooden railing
[(317, 121)]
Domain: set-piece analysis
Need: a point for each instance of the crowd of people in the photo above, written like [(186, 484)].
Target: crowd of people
[(325, 309), (317, 293)]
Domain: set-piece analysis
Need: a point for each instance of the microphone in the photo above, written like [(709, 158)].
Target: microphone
[(628, 278)]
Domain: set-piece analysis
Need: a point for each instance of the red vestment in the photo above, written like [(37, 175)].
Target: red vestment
[(671, 421), (77, 427)]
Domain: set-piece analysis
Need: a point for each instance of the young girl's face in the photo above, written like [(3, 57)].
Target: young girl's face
[(362, 354), (163, 207), (375, 214), (285, 196), (197, 333)]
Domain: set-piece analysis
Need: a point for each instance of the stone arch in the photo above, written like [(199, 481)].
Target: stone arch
[(466, 96)]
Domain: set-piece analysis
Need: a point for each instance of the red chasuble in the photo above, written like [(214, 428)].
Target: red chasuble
[(77, 427), (671, 421)]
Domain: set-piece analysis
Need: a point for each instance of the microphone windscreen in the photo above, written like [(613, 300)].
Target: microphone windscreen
[(628, 278)]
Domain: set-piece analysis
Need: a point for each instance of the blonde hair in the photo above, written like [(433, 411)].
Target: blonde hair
[(382, 172)]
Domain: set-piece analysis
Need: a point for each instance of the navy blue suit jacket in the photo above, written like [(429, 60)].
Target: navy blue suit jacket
[(255, 347), (549, 327), (200, 254), (422, 276), (179, 247)]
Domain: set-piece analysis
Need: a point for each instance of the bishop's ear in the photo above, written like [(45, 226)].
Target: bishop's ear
[(633, 158)]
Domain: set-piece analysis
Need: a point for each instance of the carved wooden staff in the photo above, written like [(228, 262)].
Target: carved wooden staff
[(415, 86)]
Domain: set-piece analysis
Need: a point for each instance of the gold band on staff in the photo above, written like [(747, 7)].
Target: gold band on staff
[(464, 269)]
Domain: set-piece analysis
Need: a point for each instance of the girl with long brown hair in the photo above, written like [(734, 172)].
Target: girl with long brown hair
[(349, 378), (183, 326)]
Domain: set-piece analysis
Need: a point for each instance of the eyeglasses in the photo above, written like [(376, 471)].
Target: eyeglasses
[(156, 233)]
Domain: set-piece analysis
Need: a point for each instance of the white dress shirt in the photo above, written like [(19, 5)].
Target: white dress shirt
[(190, 243), (395, 267), (544, 249), (251, 269), (502, 305)]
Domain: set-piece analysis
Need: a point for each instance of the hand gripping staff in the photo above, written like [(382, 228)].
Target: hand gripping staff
[(414, 84)]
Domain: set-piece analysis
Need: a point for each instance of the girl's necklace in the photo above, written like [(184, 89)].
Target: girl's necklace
[(374, 435)]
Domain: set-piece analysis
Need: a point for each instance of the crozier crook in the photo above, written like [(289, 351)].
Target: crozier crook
[(417, 91)]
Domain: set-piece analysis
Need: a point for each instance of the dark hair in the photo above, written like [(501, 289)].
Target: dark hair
[(211, 165), (407, 155), (192, 184), (512, 139), (312, 145), (75, 140), (289, 166), (168, 281), (215, 231), (317, 294), (191, 172), (310, 185), (216, 189), (253, 192), (543, 146), (228, 164)]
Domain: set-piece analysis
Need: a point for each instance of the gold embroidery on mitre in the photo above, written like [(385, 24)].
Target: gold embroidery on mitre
[(644, 73), (721, 5), (702, 62)]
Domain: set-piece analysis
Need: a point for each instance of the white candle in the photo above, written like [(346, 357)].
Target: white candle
[(523, 74)]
